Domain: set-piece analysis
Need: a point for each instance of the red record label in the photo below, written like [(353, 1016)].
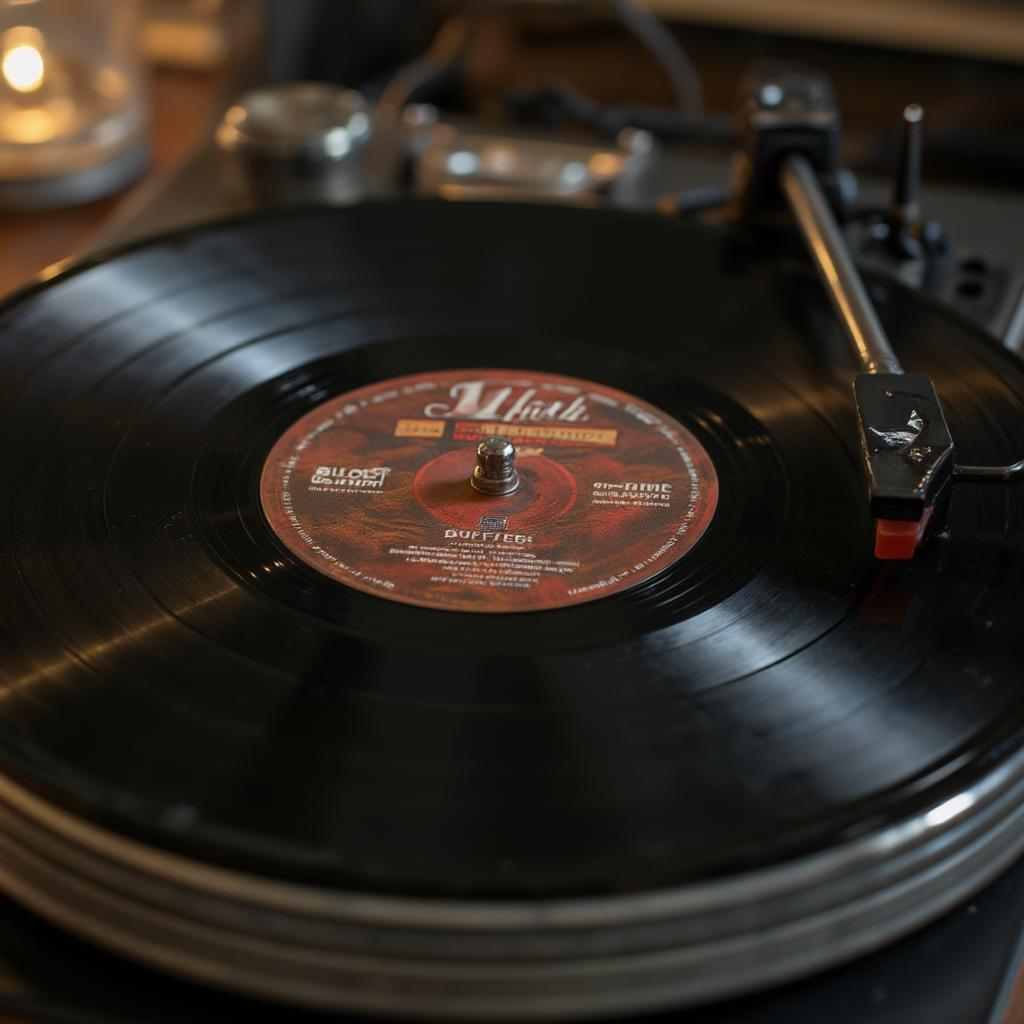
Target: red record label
[(372, 489)]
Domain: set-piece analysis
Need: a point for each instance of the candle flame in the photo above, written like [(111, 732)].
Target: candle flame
[(22, 63)]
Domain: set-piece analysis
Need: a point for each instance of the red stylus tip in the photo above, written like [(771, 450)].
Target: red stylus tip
[(897, 539)]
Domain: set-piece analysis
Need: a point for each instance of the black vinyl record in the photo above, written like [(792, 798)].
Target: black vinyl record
[(178, 683)]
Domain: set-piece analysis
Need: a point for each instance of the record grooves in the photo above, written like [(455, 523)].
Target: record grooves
[(527, 806)]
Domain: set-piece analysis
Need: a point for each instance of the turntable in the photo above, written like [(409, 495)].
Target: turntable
[(480, 610)]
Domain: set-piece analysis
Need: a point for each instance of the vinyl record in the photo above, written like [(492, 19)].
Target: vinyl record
[(272, 733)]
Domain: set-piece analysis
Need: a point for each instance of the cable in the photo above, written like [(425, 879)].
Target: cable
[(671, 57), (455, 36), (442, 57), (556, 101)]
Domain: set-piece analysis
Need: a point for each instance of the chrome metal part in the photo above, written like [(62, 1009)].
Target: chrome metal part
[(832, 258), (495, 472)]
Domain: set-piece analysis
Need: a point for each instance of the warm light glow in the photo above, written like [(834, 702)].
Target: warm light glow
[(23, 67), (605, 165)]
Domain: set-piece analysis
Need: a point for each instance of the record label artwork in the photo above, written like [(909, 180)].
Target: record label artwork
[(380, 489)]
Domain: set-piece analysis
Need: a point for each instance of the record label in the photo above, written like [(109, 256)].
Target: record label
[(372, 488)]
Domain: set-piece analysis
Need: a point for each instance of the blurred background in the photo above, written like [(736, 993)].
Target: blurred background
[(107, 107)]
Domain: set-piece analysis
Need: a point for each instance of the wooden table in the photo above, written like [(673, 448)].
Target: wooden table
[(183, 108)]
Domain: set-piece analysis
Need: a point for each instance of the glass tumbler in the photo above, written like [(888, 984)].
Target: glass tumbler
[(72, 100)]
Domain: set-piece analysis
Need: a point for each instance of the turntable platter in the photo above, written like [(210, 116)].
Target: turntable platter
[(360, 796)]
